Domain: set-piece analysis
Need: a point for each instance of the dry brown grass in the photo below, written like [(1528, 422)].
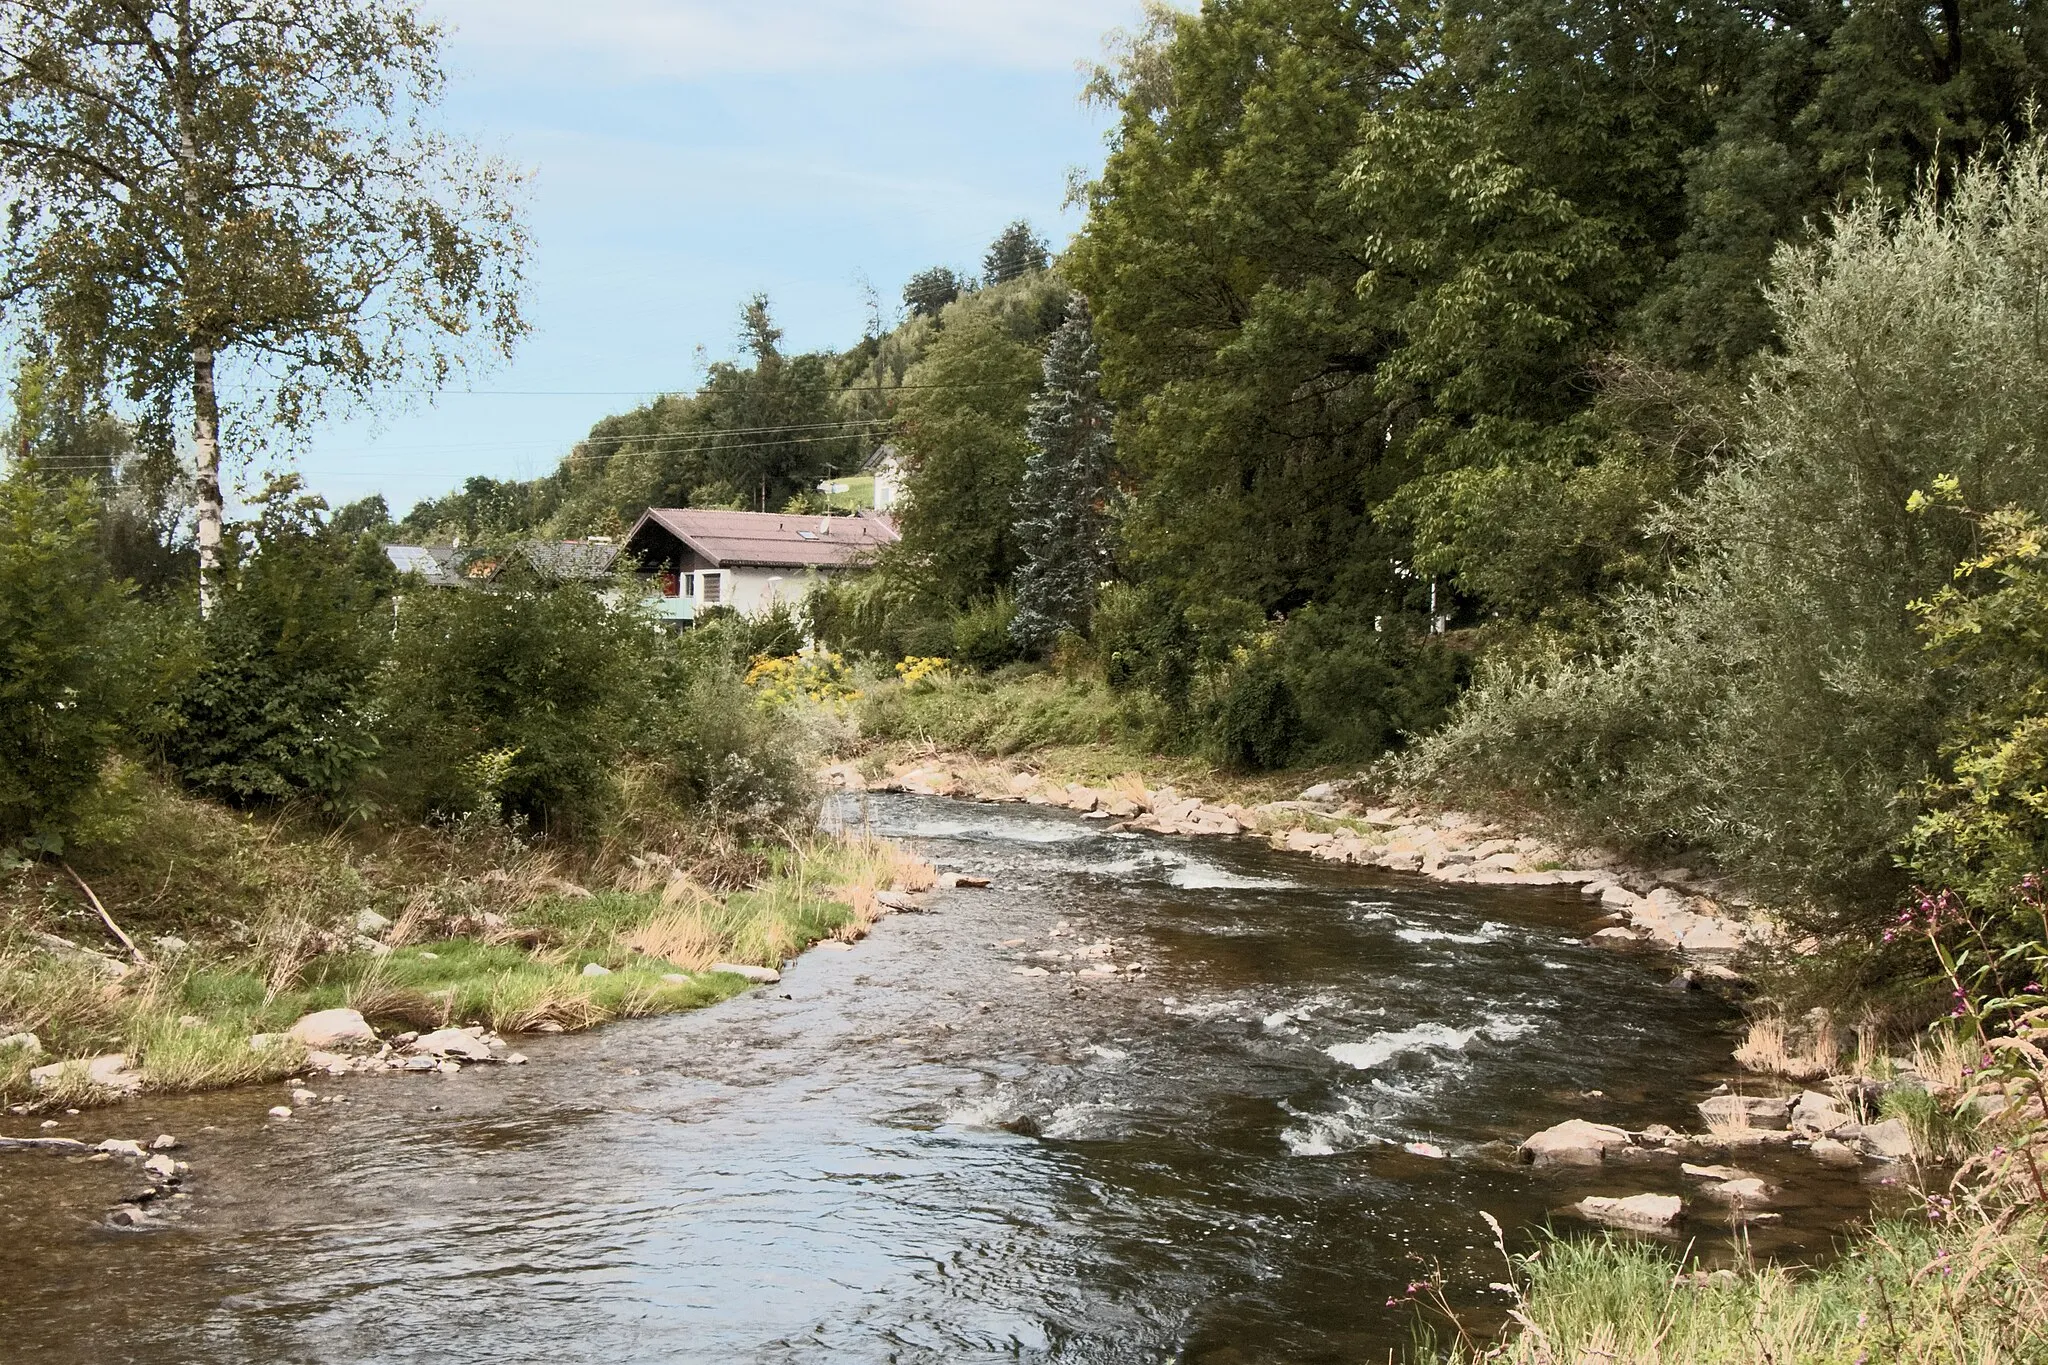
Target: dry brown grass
[(685, 930), (1775, 1048)]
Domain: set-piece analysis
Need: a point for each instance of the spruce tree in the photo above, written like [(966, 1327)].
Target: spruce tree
[(1017, 252), (1063, 506)]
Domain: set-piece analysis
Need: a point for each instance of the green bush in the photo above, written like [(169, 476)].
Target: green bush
[(514, 704), (280, 709), (1364, 686), (1258, 724), (981, 634), (716, 749), (64, 671)]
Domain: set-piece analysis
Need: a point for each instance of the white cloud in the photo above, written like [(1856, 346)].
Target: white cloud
[(680, 38)]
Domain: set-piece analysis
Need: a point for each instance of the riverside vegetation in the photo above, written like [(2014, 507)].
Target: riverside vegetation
[(1626, 424)]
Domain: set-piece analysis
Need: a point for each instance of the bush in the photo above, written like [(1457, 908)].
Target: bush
[(63, 670), (280, 709), (515, 704), (1258, 725), (1363, 691), (981, 634)]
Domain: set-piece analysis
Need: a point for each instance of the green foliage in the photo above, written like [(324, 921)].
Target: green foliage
[(65, 668), (999, 715), (1063, 504), (1016, 252), (519, 704), (281, 708), (985, 634), (1258, 722), (929, 291), (1775, 705)]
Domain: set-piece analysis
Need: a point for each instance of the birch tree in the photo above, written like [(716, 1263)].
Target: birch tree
[(247, 190)]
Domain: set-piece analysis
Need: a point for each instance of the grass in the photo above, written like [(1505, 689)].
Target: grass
[(1966, 1289), (489, 932)]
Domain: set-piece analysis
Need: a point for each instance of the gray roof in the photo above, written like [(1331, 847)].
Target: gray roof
[(769, 539), (434, 564)]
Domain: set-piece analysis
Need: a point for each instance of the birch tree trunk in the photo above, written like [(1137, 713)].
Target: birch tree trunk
[(206, 478)]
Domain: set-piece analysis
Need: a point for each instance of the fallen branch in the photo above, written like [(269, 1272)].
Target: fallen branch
[(43, 1145), (113, 928)]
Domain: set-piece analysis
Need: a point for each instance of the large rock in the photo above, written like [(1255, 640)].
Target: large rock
[(1830, 1152), (329, 1030), (1643, 1212), (108, 1072), (22, 1042), (1890, 1139), (1746, 1111), (1814, 1112), (1575, 1142), (1749, 1191), (453, 1042)]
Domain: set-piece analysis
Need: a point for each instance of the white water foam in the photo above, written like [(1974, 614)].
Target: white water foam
[(1206, 877), (1489, 932), (1328, 1134), (1018, 833), (1382, 1048)]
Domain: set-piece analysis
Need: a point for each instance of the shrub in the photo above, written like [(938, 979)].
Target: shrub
[(519, 703), (982, 637), (280, 708), (1258, 724), (63, 672)]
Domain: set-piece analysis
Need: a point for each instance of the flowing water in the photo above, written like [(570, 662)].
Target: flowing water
[(911, 1151)]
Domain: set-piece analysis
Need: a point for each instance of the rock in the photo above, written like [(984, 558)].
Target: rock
[(1748, 1190), (1616, 897), (1614, 938), (1646, 1212), (1428, 1149), (547, 1026), (1830, 1152), (333, 1063), (370, 922), (303, 1096), (897, 900), (22, 1042), (122, 1147), (331, 1029), (128, 1216), (594, 969), (1029, 971), (109, 1072), (1814, 1112), (1660, 1132), (1713, 1172), (281, 1111), (169, 944), (264, 1042), (161, 1166), (1746, 1111), (675, 979), (1890, 1139), (764, 976), (514, 1059), (164, 1143), (419, 1064), (1123, 808), (452, 1042), (1322, 792), (1574, 1142)]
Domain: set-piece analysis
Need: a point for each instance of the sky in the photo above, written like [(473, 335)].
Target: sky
[(686, 154)]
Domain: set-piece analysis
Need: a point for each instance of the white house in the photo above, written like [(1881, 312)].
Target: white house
[(696, 558), (886, 464)]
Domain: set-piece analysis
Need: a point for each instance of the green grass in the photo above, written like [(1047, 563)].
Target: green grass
[(859, 494), (1906, 1292)]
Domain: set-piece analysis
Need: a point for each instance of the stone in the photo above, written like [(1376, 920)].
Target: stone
[(514, 1059), (109, 1072), (1746, 1111), (1813, 1112), (1748, 1190), (1428, 1149), (122, 1147), (1613, 938), (452, 1042), (264, 1042), (1616, 897), (1713, 1172), (1029, 971), (331, 1029), (333, 1063), (161, 1166), (675, 979), (22, 1042), (164, 1143), (1830, 1152), (1660, 1132), (1644, 1212), (1575, 1142), (170, 945), (303, 1097), (1890, 1139), (897, 900), (763, 976), (128, 1216), (281, 1111), (547, 1026), (594, 969), (370, 922), (1322, 791)]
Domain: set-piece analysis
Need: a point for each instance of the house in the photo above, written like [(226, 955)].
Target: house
[(697, 558), (551, 561), (886, 465), (437, 566)]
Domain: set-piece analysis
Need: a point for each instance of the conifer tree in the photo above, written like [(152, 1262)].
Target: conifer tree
[(1063, 507), (1015, 253)]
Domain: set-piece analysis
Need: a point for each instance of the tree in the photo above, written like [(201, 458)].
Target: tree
[(1063, 506), (929, 291), (62, 666), (1015, 253), (199, 184)]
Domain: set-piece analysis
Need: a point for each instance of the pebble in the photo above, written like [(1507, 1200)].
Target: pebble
[(281, 1111), (164, 1143), (593, 969)]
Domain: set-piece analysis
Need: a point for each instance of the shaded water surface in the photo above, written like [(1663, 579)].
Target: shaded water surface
[(910, 1152)]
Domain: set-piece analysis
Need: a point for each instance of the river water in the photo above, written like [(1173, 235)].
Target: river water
[(911, 1151)]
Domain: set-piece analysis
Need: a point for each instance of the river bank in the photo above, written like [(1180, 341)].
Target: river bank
[(386, 951)]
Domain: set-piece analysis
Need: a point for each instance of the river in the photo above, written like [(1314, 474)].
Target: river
[(909, 1151)]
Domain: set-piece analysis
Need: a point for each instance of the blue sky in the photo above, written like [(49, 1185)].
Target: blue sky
[(687, 153)]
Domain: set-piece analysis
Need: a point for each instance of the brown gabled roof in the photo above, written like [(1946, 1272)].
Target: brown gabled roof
[(771, 539)]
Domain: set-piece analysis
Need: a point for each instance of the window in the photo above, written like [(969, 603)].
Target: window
[(712, 583), (689, 585)]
